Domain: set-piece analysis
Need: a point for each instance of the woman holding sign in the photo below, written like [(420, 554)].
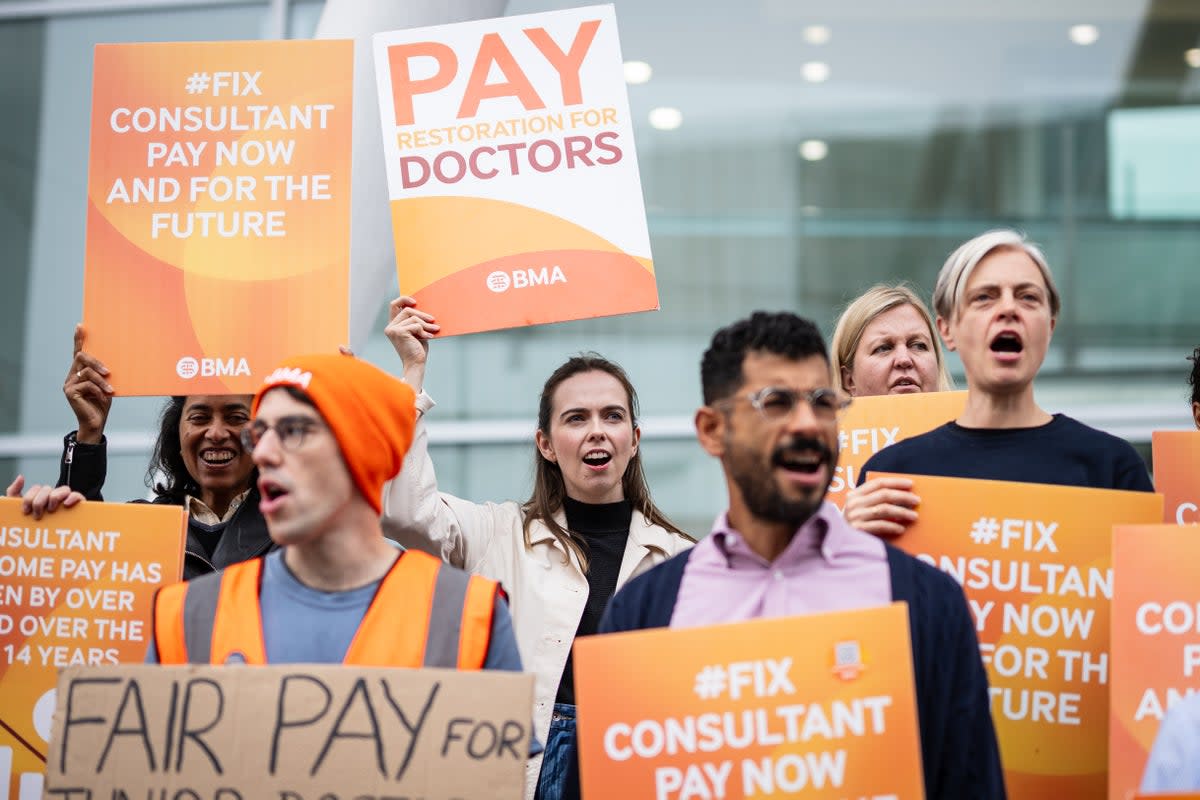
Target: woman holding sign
[(997, 306), (587, 528), (198, 463)]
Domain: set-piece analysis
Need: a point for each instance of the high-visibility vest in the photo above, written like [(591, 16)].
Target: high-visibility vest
[(424, 614)]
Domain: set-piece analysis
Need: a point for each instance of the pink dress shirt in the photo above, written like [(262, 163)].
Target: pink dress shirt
[(828, 566)]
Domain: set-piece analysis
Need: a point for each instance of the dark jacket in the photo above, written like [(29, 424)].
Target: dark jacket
[(958, 742), (84, 468)]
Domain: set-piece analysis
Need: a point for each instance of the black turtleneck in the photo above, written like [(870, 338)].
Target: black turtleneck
[(605, 528)]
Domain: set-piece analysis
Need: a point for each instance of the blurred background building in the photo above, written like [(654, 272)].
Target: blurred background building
[(792, 153)]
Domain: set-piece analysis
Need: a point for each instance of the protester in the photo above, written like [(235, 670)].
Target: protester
[(1194, 382), (885, 343), (997, 306), (1174, 762), (588, 526), (198, 463), (328, 432), (771, 418)]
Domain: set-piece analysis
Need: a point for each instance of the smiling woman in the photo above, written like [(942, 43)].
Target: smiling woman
[(198, 463), (587, 528)]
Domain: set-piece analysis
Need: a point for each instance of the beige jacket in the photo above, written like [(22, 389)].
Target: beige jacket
[(546, 588)]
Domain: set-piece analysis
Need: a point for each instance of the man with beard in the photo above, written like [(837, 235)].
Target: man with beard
[(770, 415)]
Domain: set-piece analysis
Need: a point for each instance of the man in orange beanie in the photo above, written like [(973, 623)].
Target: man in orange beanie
[(328, 431)]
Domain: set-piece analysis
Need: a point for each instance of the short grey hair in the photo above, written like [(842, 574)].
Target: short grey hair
[(956, 272)]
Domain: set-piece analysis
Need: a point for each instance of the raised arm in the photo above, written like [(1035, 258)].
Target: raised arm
[(415, 513), (84, 462)]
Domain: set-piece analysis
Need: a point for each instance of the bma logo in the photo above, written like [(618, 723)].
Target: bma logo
[(188, 367), (500, 281)]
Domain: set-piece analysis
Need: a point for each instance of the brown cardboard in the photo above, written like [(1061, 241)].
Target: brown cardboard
[(292, 732)]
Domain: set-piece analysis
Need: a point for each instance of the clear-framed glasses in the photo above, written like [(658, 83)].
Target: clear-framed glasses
[(774, 403), (292, 431)]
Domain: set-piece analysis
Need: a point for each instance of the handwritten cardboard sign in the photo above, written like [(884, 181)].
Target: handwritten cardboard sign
[(511, 169), (296, 732), (1155, 640), (75, 588), (805, 706), (1177, 474), (1035, 562), (872, 423), (218, 221)]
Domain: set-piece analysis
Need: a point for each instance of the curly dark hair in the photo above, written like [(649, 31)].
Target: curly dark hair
[(167, 475), (1194, 378), (781, 333)]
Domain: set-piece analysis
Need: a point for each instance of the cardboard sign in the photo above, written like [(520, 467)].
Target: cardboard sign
[(1177, 475), (872, 423), (218, 222), (295, 732), (805, 706), (75, 588), (1155, 640), (511, 171), (1035, 562)]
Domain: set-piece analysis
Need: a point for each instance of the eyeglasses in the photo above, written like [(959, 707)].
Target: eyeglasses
[(774, 403), (292, 431)]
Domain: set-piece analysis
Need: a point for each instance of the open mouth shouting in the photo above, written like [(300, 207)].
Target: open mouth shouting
[(1007, 346), (273, 495), (805, 462), (597, 459)]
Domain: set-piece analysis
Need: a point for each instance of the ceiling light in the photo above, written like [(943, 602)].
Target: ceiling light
[(637, 72), (813, 149), (1084, 34), (1192, 57), (817, 34), (665, 118), (815, 71)]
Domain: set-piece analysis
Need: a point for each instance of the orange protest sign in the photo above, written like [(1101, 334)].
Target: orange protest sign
[(512, 174), (75, 588), (1177, 475), (872, 423), (1035, 562), (804, 706), (1155, 640), (218, 219)]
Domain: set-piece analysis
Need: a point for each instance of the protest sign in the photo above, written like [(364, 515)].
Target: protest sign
[(872, 423), (511, 170), (295, 732), (818, 706), (76, 587), (218, 218), (1035, 562), (1155, 640), (1177, 475)]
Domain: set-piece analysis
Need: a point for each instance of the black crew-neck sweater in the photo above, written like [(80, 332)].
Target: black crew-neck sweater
[(605, 528)]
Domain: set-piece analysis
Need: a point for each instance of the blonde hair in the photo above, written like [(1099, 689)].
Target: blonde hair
[(861, 312), (956, 272)]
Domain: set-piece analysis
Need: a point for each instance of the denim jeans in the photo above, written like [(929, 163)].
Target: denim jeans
[(560, 749)]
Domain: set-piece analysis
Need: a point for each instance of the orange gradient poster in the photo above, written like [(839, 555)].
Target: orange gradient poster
[(872, 423), (511, 168), (1155, 640), (1035, 562), (818, 706), (75, 588), (1177, 475), (218, 216)]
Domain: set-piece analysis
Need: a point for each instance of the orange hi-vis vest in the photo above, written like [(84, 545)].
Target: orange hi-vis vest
[(425, 614)]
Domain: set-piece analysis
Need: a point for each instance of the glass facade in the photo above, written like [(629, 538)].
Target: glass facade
[(820, 147)]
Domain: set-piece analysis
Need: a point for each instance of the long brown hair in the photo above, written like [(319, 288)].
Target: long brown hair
[(549, 489)]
